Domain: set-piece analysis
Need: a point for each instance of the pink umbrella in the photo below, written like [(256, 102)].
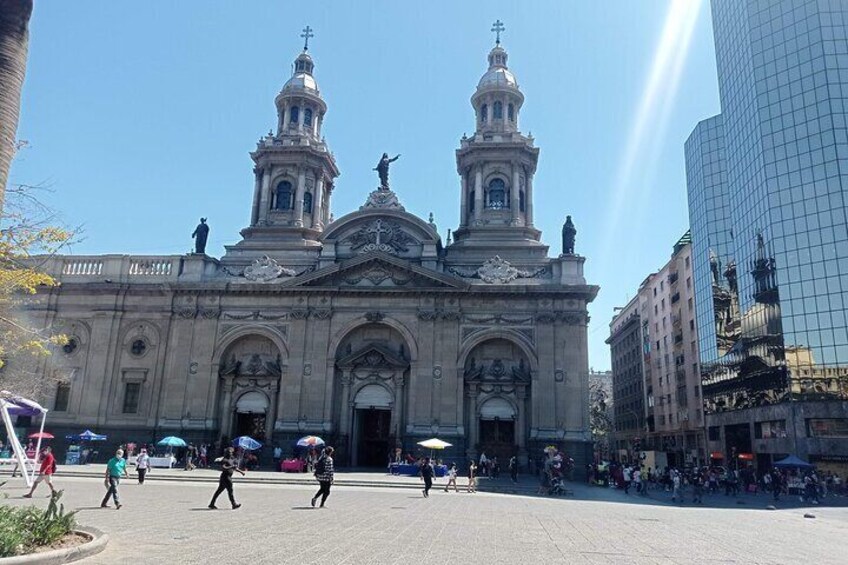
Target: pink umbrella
[(41, 435)]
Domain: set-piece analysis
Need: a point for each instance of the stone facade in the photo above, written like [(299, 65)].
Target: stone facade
[(366, 329)]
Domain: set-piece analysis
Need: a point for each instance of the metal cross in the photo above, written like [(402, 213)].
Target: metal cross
[(307, 33), (498, 27)]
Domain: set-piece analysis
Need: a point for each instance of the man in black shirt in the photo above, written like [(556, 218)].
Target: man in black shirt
[(427, 473), (225, 481)]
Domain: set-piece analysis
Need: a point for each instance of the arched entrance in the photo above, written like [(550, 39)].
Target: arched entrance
[(497, 428), (497, 375), (372, 414), (250, 415), (250, 369), (371, 364)]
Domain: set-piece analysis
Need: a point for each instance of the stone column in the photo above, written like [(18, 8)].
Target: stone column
[(257, 194), (271, 416), (463, 214), (514, 195), (283, 117), (344, 418), (397, 409), (478, 195), (227, 407), (528, 200), (473, 422), (298, 199), (318, 201), (265, 196), (521, 420)]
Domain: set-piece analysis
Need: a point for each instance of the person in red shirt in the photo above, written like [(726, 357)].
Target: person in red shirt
[(45, 473)]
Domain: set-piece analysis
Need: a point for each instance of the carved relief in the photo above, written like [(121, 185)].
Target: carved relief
[(377, 275), (266, 269), (498, 271), (379, 235)]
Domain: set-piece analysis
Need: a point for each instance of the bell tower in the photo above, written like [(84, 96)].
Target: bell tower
[(496, 167), (294, 171)]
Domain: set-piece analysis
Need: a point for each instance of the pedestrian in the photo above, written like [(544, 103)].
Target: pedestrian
[(426, 471), (637, 480), (675, 481), (115, 469), (776, 484), (324, 472), (142, 465), (452, 478), (698, 488), (225, 481), (472, 476), (626, 475), (45, 472), (513, 468)]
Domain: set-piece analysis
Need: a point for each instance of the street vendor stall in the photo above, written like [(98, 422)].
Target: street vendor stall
[(78, 453), (14, 405)]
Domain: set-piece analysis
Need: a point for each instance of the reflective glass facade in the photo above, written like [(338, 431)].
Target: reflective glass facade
[(768, 187)]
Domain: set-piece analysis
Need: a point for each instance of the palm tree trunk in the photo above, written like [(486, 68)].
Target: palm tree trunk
[(14, 40)]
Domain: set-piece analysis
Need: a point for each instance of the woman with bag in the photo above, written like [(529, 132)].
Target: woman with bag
[(324, 472)]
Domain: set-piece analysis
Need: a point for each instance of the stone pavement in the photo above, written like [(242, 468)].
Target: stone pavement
[(167, 521)]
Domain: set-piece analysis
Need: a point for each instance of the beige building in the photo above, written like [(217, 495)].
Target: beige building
[(674, 407), (368, 330)]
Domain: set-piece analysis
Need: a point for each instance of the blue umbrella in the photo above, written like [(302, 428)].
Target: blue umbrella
[(247, 443), (172, 441)]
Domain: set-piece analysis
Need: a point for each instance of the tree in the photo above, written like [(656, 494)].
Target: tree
[(28, 237), (14, 43)]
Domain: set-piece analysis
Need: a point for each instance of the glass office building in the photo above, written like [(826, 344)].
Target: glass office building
[(768, 188)]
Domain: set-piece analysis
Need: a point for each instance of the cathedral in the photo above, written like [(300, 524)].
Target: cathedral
[(364, 328)]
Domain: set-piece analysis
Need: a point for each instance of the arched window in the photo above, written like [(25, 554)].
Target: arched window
[(510, 112), (284, 196), (484, 113), (307, 203), (497, 111), (497, 194), (307, 117), (294, 114), (521, 200)]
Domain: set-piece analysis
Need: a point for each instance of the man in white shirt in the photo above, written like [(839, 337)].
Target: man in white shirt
[(626, 475), (637, 480)]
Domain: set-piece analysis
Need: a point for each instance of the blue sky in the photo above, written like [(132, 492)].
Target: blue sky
[(140, 116)]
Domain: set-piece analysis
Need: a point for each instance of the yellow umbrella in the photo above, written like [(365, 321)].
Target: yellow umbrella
[(434, 443)]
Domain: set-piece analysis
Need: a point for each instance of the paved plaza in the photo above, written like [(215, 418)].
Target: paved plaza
[(167, 521)]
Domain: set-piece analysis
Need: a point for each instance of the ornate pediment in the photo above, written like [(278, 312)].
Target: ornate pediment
[(498, 370), (378, 271), (379, 234), (373, 356)]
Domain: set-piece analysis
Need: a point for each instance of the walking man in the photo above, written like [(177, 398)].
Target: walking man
[(675, 481), (225, 481), (45, 473), (513, 468), (626, 479), (427, 473), (142, 465), (115, 469), (324, 472)]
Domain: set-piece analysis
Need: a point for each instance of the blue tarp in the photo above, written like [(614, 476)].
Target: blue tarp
[(87, 435), (795, 462)]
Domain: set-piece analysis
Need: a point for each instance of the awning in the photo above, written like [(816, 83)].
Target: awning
[(252, 403), (373, 396), (746, 456), (497, 409), (716, 455)]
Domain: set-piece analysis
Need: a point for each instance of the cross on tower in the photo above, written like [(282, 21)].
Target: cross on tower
[(498, 27), (307, 33), (377, 229)]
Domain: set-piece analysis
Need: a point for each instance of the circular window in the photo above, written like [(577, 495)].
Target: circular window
[(71, 346), (138, 347)]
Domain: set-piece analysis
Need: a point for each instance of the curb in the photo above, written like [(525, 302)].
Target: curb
[(67, 555)]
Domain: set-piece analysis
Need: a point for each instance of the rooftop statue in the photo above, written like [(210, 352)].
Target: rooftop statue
[(200, 235), (382, 169), (569, 233)]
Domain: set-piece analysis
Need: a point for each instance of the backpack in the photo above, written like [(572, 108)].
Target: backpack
[(320, 466)]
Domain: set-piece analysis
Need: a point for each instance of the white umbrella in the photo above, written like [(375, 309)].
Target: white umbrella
[(434, 443)]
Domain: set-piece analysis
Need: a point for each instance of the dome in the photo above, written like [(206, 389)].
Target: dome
[(302, 78), (498, 77), (301, 81), (498, 74)]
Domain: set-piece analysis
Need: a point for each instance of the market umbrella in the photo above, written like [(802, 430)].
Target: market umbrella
[(172, 441), (310, 441), (247, 443), (434, 443), (41, 435), (793, 462)]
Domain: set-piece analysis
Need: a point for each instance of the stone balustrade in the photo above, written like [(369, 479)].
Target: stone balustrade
[(127, 268)]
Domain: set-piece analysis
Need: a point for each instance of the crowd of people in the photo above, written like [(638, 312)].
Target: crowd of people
[(809, 485)]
